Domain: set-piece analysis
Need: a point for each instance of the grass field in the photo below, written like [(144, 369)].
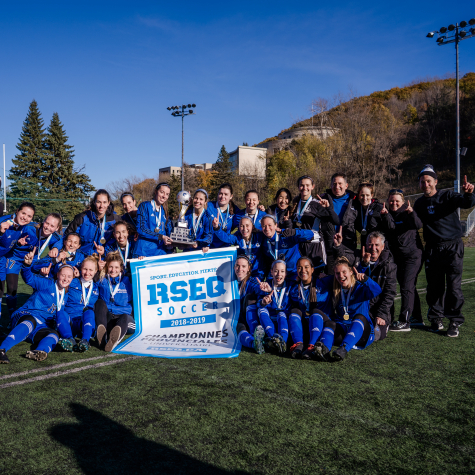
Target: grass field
[(403, 406)]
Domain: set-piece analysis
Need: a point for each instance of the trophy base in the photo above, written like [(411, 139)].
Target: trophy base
[(181, 235)]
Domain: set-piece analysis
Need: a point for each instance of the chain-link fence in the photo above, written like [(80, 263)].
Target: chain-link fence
[(469, 223)]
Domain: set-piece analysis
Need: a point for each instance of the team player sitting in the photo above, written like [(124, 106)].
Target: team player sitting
[(114, 307), (199, 222), (36, 320), (77, 319), (350, 326), (249, 288)]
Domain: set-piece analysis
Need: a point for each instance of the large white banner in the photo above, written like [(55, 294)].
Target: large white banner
[(186, 305)]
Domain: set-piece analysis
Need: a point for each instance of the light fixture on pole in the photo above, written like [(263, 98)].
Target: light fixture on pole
[(182, 111), (455, 34)]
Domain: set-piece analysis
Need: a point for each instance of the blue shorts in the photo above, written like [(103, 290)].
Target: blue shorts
[(8, 265)]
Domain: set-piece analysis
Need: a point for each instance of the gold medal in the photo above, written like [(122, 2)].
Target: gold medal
[(346, 317), (103, 241), (298, 224), (363, 232)]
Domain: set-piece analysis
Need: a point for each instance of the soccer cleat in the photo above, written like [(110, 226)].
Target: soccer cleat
[(308, 354), (321, 352), (259, 340), (279, 343), (3, 357), (82, 346), (37, 355), (114, 338), (452, 331), (400, 327), (340, 353), (436, 325), (416, 322), (100, 335), (67, 344), (296, 350)]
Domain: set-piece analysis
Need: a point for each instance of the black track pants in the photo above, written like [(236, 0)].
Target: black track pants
[(444, 265), (408, 268)]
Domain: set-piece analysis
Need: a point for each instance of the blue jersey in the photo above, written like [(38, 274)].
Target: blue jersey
[(323, 289), (150, 241), (286, 248), (113, 246), (251, 287), (43, 303), (89, 228), (36, 239), (252, 249), (75, 306), (74, 260), (8, 240), (121, 303), (225, 221), (281, 298), (360, 296), (204, 229), (256, 219)]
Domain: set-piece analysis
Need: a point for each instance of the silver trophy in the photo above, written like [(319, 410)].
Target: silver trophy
[(181, 233)]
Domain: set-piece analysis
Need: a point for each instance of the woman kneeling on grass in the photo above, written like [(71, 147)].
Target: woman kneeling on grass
[(114, 307), (350, 327), (77, 319), (34, 322)]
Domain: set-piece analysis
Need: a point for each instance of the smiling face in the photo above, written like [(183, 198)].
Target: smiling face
[(114, 268), (24, 216), (339, 186), (199, 201), (268, 227), (224, 197), (129, 204), (395, 202), (72, 243), (375, 247), (88, 270), (65, 277), (245, 228), (121, 233), (305, 188), (305, 271), (428, 185), (343, 275), (279, 271), (50, 226), (283, 200), (241, 269), (102, 203), (252, 200), (162, 195), (365, 196)]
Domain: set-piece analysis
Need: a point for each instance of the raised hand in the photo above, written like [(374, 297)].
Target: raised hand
[(101, 263), (409, 207), (338, 237), (266, 300), (45, 270), (366, 256), (99, 249), (261, 208), (62, 255), (324, 203), (76, 273), (264, 286), (29, 257), (359, 277), (384, 210), (466, 186), (215, 223), (5, 225), (54, 252), (23, 241)]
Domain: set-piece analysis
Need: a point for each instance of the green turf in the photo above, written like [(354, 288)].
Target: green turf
[(403, 406)]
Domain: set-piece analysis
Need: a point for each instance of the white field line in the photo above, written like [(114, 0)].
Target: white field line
[(62, 365), (424, 290), (69, 371)]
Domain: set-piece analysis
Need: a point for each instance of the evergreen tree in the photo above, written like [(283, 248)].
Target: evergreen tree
[(223, 172)]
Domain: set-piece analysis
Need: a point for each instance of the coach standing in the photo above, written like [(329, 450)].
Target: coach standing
[(444, 249)]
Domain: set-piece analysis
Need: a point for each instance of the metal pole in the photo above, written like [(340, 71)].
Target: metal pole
[(182, 150), (4, 183), (457, 99)]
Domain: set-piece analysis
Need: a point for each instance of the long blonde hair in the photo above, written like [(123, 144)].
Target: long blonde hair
[(111, 257), (336, 285)]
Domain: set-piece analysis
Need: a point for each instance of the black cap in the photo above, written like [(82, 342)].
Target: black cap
[(428, 170)]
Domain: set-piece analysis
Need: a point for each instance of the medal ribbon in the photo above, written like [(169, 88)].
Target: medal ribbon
[(278, 300), (116, 288), (59, 298), (276, 254), (302, 294), (195, 226), (43, 247), (158, 221), (247, 247), (220, 215), (86, 298), (346, 301), (364, 219), (301, 211), (255, 216), (103, 228), (126, 253)]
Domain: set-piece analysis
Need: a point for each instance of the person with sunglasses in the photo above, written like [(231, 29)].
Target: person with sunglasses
[(400, 225)]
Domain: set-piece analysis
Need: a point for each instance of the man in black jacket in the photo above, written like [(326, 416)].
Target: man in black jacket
[(444, 249), (377, 263)]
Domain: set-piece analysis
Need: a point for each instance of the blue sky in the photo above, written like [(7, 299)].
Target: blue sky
[(110, 69)]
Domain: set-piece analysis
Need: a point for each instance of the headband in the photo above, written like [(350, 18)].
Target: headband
[(271, 216), (164, 183), (278, 261), (202, 190)]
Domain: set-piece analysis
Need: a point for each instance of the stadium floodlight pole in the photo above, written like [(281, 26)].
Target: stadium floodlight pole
[(455, 34), (182, 112)]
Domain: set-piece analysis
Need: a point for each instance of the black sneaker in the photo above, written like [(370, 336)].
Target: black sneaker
[(400, 327), (416, 322), (308, 354), (296, 350), (279, 343), (321, 352), (452, 331), (340, 353), (3, 357), (436, 325)]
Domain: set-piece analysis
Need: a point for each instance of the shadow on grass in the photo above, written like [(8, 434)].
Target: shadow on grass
[(103, 446)]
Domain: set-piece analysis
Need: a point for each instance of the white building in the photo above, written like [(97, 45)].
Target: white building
[(165, 173), (249, 161)]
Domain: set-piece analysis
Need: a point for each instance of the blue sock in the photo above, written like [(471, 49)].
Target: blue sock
[(11, 303), (296, 329), (88, 324), (283, 326), (266, 321), (64, 324), (315, 324), (246, 339), (354, 335), (328, 335), (17, 335), (251, 317), (48, 343)]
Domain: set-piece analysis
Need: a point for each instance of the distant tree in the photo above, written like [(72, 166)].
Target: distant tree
[(223, 169), (245, 144)]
